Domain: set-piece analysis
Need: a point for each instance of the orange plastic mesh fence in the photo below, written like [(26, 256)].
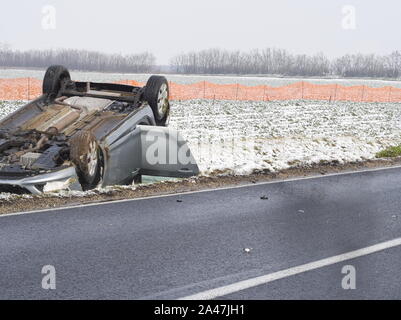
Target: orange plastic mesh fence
[(29, 88)]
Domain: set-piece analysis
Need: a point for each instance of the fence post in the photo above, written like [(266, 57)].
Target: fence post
[(204, 89), (302, 90), (389, 94), (264, 92), (335, 92), (29, 87), (236, 94), (363, 92)]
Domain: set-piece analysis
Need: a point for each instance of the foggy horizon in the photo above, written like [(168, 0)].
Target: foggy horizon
[(168, 62), (180, 26)]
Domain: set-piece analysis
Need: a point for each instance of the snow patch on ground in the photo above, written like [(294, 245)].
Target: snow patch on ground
[(241, 137), (7, 107)]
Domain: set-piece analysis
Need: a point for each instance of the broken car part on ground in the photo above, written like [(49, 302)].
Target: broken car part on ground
[(83, 135)]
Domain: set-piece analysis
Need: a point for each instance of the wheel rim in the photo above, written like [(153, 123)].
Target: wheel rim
[(92, 158), (162, 100)]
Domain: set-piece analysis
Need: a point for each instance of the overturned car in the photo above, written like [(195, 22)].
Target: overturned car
[(83, 135)]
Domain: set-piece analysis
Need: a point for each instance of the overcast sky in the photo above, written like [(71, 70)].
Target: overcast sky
[(168, 27)]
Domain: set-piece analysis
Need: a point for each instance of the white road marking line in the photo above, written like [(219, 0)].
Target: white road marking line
[(253, 282), (345, 173)]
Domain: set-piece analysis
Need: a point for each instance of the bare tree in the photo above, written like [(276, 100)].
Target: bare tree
[(77, 60), (281, 62)]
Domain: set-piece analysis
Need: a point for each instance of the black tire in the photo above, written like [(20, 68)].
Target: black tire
[(83, 150), (157, 94), (53, 80), (137, 179)]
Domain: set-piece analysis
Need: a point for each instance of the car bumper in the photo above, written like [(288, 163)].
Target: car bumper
[(55, 181)]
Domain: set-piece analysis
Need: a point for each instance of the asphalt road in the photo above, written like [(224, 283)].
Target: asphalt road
[(161, 248)]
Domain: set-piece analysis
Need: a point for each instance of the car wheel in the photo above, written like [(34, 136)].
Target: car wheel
[(86, 155), (157, 94), (137, 179), (54, 78)]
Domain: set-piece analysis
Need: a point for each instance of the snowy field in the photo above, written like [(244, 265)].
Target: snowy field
[(240, 137), (187, 79)]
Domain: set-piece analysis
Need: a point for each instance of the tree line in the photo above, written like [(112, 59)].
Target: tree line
[(78, 60), (282, 62), (213, 61)]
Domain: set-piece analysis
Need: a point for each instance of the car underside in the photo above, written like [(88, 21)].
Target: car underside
[(81, 135)]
